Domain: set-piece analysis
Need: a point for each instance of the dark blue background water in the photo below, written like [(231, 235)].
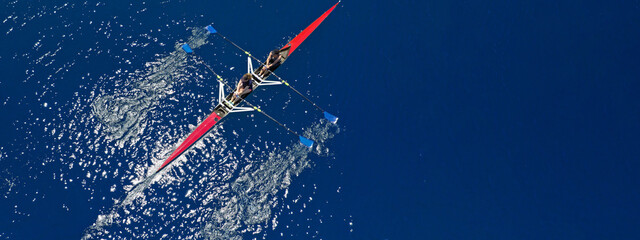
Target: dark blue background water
[(459, 120)]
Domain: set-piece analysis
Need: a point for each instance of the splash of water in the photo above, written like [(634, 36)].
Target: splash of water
[(253, 195), (123, 114)]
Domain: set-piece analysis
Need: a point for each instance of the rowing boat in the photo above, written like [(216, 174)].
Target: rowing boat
[(226, 106)]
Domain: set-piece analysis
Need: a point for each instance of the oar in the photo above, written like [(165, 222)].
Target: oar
[(326, 114)]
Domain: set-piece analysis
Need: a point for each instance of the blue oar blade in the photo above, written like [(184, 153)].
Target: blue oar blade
[(211, 29), (305, 141), (330, 117), (186, 48)]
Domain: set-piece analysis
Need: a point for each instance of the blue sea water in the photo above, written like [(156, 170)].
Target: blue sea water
[(458, 120)]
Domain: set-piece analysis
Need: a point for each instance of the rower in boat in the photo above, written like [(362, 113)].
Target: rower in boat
[(245, 86), (273, 62)]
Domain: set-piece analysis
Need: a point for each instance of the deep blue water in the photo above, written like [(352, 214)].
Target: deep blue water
[(458, 120)]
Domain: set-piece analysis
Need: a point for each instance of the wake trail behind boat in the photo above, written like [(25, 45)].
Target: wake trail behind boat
[(226, 202), (105, 220)]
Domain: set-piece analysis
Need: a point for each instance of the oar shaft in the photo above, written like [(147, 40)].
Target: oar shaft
[(272, 119), (305, 97), (241, 49)]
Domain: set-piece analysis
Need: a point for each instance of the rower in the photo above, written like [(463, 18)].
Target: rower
[(245, 86), (273, 62)]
